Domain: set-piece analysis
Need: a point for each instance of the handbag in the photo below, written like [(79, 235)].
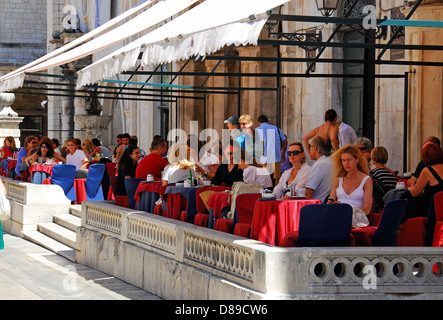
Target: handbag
[(5, 208), (359, 218)]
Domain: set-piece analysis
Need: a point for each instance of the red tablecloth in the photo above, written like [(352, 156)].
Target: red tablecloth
[(80, 190), (217, 201), (41, 167), (272, 220), (12, 163), (150, 187)]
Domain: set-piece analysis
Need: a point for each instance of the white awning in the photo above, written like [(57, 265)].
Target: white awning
[(87, 44), (200, 31)]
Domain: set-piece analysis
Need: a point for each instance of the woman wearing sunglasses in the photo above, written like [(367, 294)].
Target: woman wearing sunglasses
[(296, 177)]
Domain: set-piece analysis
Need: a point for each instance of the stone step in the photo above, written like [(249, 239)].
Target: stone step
[(58, 233), (76, 210), (50, 244), (69, 221)]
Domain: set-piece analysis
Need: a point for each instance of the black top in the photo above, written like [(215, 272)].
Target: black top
[(431, 190), (223, 175), (122, 173)]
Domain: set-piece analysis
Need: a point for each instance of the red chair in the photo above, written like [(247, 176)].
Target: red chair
[(158, 210), (385, 234), (121, 201), (418, 232), (244, 211), (201, 218), (246, 203), (111, 167), (438, 230)]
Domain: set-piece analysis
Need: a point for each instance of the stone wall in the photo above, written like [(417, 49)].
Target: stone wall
[(177, 260)]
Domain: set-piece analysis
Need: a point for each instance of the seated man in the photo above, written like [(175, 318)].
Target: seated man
[(320, 178), (77, 158), (153, 163)]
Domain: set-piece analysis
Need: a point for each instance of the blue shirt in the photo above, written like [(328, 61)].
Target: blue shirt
[(271, 137)]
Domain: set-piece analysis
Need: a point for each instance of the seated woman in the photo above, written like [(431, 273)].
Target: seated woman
[(253, 171), (384, 179), (28, 149), (352, 184), (88, 148), (127, 167), (8, 148), (229, 172), (178, 170), (428, 183), (44, 155), (77, 158), (295, 177), (206, 161)]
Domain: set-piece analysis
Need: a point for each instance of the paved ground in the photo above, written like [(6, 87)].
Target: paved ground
[(30, 272)]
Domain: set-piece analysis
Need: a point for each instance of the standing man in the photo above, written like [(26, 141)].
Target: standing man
[(346, 134), (274, 147), (320, 179), (233, 126)]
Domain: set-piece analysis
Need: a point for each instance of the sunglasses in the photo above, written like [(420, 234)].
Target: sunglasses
[(244, 123), (295, 153), (363, 148), (43, 147)]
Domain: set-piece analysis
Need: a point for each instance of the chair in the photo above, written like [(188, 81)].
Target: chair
[(120, 200), (201, 218), (158, 210), (131, 187), (246, 208), (93, 187), (243, 213), (418, 231), (385, 234), (322, 225), (437, 237), (111, 168), (63, 175)]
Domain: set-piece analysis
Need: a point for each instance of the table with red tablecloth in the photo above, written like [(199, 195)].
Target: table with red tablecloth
[(273, 219), (179, 199), (146, 195), (44, 170)]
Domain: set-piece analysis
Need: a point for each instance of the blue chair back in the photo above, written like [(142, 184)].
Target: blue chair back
[(131, 187), (386, 233), (93, 182), (325, 225), (63, 175)]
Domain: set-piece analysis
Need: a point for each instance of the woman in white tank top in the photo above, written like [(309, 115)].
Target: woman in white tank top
[(351, 184)]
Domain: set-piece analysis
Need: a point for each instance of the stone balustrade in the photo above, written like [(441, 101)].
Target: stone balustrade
[(177, 260)]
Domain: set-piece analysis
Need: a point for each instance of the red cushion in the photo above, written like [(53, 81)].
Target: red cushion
[(224, 225), (363, 236), (438, 234), (184, 216), (290, 239), (201, 220), (158, 210), (242, 229), (412, 233), (376, 219), (122, 201)]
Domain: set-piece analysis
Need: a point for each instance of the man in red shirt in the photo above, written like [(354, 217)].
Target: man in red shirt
[(153, 163)]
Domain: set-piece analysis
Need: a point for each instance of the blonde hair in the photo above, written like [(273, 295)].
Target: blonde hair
[(362, 164), (88, 144), (245, 117)]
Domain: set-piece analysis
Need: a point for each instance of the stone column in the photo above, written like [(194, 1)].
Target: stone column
[(9, 119)]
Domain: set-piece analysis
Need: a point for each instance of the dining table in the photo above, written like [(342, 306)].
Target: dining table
[(146, 195), (179, 199), (39, 172), (273, 219)]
